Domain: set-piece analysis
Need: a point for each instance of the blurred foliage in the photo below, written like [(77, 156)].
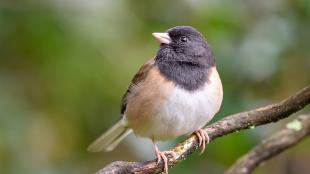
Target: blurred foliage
[(65, 64)]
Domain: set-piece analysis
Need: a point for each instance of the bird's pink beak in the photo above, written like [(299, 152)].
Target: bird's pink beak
[(162, 37)]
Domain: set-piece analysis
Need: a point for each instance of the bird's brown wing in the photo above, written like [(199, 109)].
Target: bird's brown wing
[(137, 79)]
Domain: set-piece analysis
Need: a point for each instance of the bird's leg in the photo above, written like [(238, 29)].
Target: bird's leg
[(203, 139), (162, 156)]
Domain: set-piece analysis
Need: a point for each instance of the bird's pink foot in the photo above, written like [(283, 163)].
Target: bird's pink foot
[(203, 139), (163, 156)]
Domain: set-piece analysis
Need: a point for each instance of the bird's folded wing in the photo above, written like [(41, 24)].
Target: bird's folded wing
[(137, 79)]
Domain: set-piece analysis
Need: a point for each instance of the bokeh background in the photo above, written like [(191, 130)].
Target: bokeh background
[(65, 64)]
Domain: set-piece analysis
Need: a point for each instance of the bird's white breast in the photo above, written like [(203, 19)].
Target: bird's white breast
[(186, 111)]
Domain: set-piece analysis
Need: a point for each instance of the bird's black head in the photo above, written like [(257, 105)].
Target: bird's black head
[(184, 44), (184, 57)]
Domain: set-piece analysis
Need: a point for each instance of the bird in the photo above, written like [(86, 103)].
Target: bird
[(176, 93)]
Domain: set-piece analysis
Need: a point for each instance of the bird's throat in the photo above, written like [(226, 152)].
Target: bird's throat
[(185, 75)]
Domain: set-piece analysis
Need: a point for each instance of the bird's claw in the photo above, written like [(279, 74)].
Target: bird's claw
[(203, 139), (163, 156)]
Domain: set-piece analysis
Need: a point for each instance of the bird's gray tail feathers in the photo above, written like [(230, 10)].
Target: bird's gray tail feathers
[(111, 138)]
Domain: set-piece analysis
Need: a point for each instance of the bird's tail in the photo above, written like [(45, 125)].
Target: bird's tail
[(110, 139)]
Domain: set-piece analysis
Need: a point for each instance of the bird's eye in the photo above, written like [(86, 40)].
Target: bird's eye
[(183, 39)]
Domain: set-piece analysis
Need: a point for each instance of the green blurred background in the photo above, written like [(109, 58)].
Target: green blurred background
[(65, 64)]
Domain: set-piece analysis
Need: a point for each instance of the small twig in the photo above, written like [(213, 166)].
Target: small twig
[(284, 139), (233, 123)]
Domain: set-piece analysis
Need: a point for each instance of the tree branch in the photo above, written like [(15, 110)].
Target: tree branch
[(284, 139), (230, 124)]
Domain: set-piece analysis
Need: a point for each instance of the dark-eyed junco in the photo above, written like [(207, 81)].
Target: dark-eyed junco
[(176, 93)]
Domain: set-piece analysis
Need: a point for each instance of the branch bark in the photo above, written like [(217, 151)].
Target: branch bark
[(230, 124), (284, 139)]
